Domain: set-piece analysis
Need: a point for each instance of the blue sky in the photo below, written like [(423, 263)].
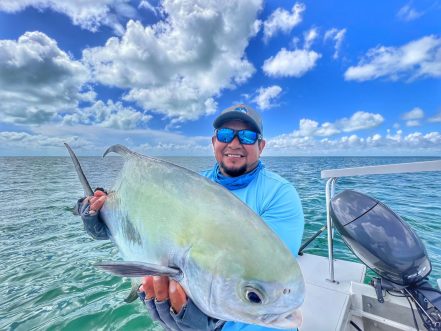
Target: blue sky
[(330, 78)]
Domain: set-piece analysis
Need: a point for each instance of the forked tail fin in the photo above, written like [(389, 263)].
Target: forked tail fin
[(80, 173)]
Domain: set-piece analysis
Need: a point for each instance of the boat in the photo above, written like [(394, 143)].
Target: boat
[(337, 297)]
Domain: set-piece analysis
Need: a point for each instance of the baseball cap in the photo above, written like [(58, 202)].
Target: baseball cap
[(240, 112)]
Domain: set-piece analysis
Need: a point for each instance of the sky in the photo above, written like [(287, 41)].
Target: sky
[(330, 78)]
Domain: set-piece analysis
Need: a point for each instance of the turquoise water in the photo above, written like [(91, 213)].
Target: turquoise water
[(47, 278)]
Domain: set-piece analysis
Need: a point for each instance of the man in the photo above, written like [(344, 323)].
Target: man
[(237, 143)]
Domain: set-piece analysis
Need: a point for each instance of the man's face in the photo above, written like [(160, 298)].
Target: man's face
[(235, 158)]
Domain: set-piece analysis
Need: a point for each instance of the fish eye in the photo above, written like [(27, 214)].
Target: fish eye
[(253, 295)]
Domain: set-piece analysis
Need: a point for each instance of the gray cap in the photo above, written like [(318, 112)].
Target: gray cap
[(240, 112)]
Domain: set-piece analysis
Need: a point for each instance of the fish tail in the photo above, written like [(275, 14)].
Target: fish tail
[(86, 186)]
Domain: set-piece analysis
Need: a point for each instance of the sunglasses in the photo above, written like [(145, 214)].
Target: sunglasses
[(246, 137)]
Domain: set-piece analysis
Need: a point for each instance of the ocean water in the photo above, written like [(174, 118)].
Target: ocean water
[(47, 278)]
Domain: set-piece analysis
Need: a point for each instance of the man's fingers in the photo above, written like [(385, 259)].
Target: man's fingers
[(178, 298), (160, 284), (97, 203), (147, 287), (99, 193)]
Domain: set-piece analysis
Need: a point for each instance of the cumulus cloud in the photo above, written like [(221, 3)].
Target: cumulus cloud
[(358, 121), (266, 96), (436, 118), (290, 63), (415, 114), (177, 66), (108, 115), (88, 15), (283, 20), (146, 140), (415, 143), (412, 117), (407, 13), (24, 140), (337, 36), (417, 59), (39, 80), (310, 128)]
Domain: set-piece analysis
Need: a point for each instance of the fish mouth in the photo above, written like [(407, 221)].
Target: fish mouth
[(289, 320)]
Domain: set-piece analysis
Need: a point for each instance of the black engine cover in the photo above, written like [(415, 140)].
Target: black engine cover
[(380, 238)]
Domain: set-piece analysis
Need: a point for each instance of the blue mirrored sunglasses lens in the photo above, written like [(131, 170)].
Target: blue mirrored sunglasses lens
[(225, 135), (247, 137)]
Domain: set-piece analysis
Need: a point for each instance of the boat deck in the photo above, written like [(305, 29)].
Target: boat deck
[(327, 304)]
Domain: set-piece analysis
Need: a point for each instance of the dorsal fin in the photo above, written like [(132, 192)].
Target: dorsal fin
[(86, 186), (121, 150)]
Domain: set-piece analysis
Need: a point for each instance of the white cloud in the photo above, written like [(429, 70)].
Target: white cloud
[(88, 15), (415, 114), (412, 117), (436, 118), (179, 65), (147, 5), (290, 63), (311, 128), (417, 59), (407, 13), (39, 80), (146, 140), (24, 140), (110, 115), (337, 36), (266, 96), (414, 143), (309, 37), (282, 20), (411, 123), (359, 121)]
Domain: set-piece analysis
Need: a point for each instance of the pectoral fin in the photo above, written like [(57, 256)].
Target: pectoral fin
[(138, 269)]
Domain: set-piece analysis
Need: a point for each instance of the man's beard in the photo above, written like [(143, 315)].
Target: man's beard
[(235, 172)]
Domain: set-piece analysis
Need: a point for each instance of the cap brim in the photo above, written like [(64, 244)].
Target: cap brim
[(230, 116)]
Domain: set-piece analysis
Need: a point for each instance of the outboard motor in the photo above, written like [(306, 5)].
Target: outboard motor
[(388, 246)]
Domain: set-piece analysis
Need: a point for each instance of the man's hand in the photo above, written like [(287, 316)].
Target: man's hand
[(162, 288), (96, 201), (88, 208)]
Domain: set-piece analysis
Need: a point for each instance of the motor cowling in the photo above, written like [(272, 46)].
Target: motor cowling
[(380, 238)]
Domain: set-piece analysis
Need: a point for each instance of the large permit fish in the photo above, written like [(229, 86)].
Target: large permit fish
[(167, 220)]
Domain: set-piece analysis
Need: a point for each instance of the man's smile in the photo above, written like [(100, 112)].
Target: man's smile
[(234, 155)]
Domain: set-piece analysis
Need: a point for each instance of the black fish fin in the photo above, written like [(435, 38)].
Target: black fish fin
[(86, 186), (119, 149), (138, 269), (133, 295)]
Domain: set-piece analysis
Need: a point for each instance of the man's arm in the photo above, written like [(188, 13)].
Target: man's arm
[(284, 215)]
